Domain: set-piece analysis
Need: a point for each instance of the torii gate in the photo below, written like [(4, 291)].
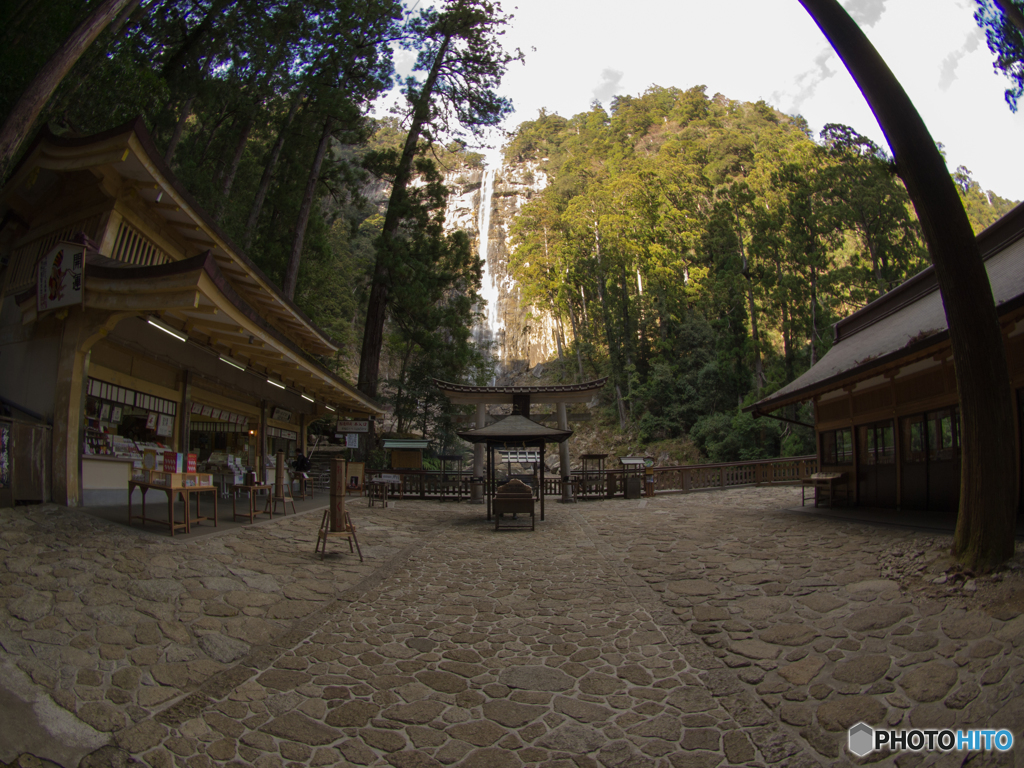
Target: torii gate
[(521, 399)]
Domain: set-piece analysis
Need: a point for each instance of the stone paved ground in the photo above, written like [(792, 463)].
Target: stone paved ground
[(709, 629)]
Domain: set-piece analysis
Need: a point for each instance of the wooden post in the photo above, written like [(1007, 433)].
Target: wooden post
[(563, 455), (185, 404), (338, 490), (261, 445), (476, 486), (279, 477)]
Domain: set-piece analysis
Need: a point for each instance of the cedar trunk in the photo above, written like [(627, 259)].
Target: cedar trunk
[(236, 160), (291, 277), (21, 118), (268, 172), (985, 526), (377, 309)]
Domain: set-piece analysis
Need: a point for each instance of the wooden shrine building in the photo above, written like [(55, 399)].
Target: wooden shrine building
[(521, 399), (885, 398), (174, 339)]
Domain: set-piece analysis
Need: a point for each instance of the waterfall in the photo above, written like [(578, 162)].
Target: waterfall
[(489, 288)]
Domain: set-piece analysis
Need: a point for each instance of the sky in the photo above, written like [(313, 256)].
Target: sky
[(581, 50)]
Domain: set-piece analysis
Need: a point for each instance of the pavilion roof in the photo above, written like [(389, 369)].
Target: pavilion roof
[(514, 431)]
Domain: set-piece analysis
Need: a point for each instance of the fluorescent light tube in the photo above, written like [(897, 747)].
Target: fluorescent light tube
[(275, 383), (307, 397), (232, 362), (329, 408), (167, 329)]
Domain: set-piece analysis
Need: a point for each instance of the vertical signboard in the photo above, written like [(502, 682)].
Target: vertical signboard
[(61, 277)]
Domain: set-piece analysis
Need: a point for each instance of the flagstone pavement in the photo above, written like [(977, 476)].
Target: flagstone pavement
[(707, 629)]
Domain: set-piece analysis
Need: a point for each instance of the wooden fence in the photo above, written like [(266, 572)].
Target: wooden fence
[(428, 484)]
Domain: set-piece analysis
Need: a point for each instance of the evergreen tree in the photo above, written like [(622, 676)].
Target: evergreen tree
[(463, 59)]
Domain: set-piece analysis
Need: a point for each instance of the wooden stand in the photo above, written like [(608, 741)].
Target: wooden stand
[(252, 489), (282, 490), (336, 521)]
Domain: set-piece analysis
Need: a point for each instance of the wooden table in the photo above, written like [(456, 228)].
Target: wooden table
[(252, 489), (171, 496), (197, 491), (819, 480)]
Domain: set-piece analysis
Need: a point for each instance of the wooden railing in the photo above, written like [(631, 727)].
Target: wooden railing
[(431, 484)]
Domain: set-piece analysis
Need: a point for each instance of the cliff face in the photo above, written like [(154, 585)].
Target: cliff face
[(524, 335)]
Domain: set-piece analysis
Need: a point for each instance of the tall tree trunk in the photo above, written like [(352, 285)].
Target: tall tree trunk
[(576, 340), (179, 129), (558, 337), (621, 406), (193, 45), (814, 315), (985, 526), (25, 10), (236, 159), (268, 171), (291, 276), (759, 378), (376, 311), (21, 118)]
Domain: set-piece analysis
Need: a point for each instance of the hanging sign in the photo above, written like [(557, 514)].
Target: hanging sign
[(353, 426), (60, 279), (352, 441), (280, 414)]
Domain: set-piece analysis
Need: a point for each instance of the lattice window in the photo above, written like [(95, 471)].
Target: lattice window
[(24, 259), (132, 247)]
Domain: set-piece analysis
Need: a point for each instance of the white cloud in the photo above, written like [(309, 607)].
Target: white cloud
[(865, 12), (947, 74), (807, 83), (609, 85)]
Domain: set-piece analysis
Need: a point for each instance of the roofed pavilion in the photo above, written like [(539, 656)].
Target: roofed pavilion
[(521, 400)]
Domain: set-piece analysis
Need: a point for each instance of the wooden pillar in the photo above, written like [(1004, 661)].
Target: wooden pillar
[(563, 455), (476, 487), (542, 481), (80, 331), (279, 481), (261, 444), (303, 427), (185, 406)]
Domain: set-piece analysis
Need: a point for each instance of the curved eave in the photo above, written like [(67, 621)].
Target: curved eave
[(194, 297), (466, 394), (130, 152), (515, 430)]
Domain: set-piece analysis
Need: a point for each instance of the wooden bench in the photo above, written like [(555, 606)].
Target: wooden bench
[(821, 480)]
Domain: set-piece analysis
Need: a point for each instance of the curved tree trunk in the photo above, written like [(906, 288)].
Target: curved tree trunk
[(291, 277), (236, 160), (179, 129), (985, 526), (21, 118), (376, 310), (268, 171)]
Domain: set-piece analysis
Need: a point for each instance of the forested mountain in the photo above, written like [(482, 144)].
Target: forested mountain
[(693, 248), (700, 248)]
